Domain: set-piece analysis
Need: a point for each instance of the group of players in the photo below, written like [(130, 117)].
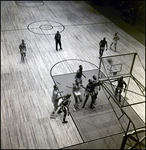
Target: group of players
[(103, 43), (57, 38), (23, 49), (91, 89)]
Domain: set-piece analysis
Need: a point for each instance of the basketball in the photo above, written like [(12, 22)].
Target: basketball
[(109, 61)]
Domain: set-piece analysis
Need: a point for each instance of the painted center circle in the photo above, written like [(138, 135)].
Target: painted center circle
[(46, 27)]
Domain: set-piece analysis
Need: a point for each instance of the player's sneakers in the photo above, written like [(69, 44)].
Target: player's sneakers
[(74, 109), (94, 106), (59, 111), (65, 122), (53, 116)]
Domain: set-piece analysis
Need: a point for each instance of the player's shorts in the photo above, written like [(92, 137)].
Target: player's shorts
[(101, 48)]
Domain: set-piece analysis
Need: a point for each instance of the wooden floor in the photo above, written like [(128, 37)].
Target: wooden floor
[(26, 87)]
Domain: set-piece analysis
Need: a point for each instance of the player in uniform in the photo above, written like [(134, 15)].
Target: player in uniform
[(119, 87), (96, 89), (114, 41), (64, 107), (79, 73), (77, 95), (55, 98), (22, 48), (102, 44), (89, 91)]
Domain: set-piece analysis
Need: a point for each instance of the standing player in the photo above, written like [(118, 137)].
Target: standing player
[(55, 99), (89, 91), (102, 44), (58, 40), (114, 41), (97, 84), (22, 48), (119, 87), (77, 95), (64, 106), (79, 73)]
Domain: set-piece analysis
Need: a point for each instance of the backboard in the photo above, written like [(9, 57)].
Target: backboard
[(116, 65)]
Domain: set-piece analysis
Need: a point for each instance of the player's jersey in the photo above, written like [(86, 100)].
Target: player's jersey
[(79, 74), (54, 95), (90, 87), (103, 43), (65, 102), (22, 48), (57, 37), (115, 38), (96, 84), (120, 83), (76, 90)]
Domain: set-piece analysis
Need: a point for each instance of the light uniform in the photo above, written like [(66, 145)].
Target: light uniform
[(115, 39), (22, 48)]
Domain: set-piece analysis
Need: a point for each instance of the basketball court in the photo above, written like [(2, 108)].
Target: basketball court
[(26, 95), (110, 118)]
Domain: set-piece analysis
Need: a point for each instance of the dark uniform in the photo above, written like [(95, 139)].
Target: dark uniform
[(89, 91), (96, 88), (58, 40), (79, 73), (119, 87), (102, 44), (64, 106)]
